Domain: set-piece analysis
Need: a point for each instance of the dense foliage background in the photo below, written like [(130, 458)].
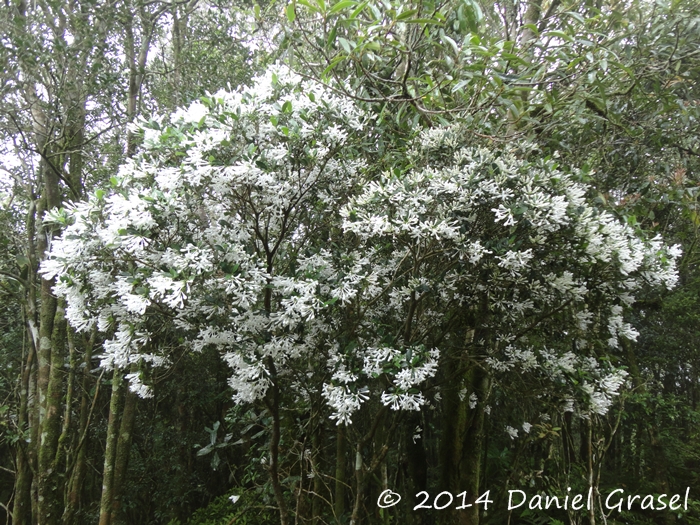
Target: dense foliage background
[(418, 246)]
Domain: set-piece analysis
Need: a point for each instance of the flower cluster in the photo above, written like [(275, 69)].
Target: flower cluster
[(206, 231), (252, 223)]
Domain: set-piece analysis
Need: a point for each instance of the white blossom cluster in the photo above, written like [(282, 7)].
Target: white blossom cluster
[(516, 244), (208, 219), (589, 387), (251, 222), (407, 369)]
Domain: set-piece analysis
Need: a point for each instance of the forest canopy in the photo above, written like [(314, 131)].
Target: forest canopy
[(283, 262)]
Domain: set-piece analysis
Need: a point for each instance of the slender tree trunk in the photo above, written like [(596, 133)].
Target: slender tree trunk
[(359, 487), (568, 440), (591, 474), (136, 61), (341, 481), (67, 430), (364, 474), (34, 439), (50, 475), (317, 444), (121, 461), (113, 423), (51, 352), (473, 447), (417, 464), (21, 511), (452, 428), (659, 469), (178, 35), (273, 406), (531, 18), (454, 421), (78, 472)]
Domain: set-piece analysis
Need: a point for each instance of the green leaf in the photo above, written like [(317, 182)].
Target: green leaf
[(559, 34), (345, 44), (576, 17), (204, 451), (337, 60), (533, 28), (308, 4), (425, 21), (451, 42), (330, 41), (406, 14), (343, 4), (357, 11), (291, 14)]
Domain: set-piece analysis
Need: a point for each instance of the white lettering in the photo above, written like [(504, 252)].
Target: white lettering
[(510, 499), (676, 498), (618, 506)]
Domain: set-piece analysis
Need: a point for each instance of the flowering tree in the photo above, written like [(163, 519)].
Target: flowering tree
[(252, 222), (503, 265), (214, 228)]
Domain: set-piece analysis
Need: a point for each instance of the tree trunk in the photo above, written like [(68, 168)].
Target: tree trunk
[(317, 447), (341, 481), (22, 506), (50, 476), (113, 424), (77, 473), (473, 447), (272, 402), (121, 461), (416, 458)]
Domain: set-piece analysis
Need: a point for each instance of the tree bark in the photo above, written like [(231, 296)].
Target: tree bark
[(272, 402), (121, 461), (22, 505), (77, 474), (113, 423), (50, 476), (340, 473), (473, 447)]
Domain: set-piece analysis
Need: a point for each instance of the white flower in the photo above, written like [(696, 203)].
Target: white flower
[(462, 394), (417, 433), (193, 114), (137, 387), (403, 401), (343, 402), (473, 400)]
